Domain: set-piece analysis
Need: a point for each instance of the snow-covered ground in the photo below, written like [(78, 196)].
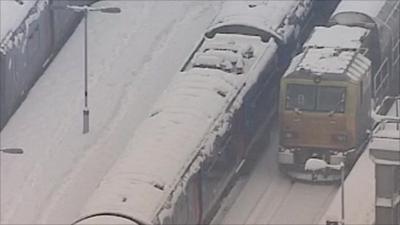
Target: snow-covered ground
[(132, 58), (266, 196)]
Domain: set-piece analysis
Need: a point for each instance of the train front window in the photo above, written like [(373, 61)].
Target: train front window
[(301, 97), (315, 98), (331, 99)]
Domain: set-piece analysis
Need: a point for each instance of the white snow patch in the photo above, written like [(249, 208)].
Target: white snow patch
[(344, 37)]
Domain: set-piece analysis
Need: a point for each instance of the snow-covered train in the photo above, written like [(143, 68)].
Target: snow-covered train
[(184, 156), (330, 90), (31, 35)]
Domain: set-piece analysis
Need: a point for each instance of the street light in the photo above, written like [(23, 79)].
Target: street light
[(85, 10), (314, 164), (12, 150)]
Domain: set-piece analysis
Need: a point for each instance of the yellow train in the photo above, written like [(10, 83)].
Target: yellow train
[(327, 94)]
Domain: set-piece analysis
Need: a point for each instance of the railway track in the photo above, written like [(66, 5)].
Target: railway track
[(266, 196)]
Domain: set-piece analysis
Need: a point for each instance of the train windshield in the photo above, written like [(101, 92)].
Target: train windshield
[(315, 98)]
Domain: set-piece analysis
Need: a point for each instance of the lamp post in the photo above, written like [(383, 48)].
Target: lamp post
[(85, 10), (12, 150), (314, 164)]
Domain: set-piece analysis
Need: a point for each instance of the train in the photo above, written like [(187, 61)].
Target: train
[(332, 87), (28, 47), (186, 154)]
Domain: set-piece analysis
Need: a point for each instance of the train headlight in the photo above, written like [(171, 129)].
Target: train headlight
[(342, 138)]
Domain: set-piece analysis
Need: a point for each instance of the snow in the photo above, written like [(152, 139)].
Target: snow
[(12, 14), (265, 16), (345, 37), (325, 55), (163, 146), (128, 70), (336, 61), (318, 164), (231, 53)]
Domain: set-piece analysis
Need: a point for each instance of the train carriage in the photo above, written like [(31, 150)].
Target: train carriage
[(187, 152), (332, 87), (383, 19)]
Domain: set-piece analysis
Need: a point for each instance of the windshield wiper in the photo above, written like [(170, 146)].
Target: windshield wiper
[(332, 111)]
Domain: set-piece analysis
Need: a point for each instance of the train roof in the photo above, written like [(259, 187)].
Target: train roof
[(12, 14), (165, 143), (365, 13), (370, 8), (261, 18), (339, 58), (344, 37), (329, 63)]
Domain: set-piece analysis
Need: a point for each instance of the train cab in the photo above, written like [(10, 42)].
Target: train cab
[(324, 106)]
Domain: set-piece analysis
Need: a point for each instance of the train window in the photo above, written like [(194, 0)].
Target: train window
[(331, 99), (315, 98), (301, 97)]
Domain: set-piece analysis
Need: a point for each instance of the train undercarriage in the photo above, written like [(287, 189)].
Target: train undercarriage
[(292, 162)]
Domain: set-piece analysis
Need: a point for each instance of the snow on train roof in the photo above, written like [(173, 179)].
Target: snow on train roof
[(323, 54), (334, 61), (162, 147), (266, 16), (12, 13), (370, 8), (337, 36)]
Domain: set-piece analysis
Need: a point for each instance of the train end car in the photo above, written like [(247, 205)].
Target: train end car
[(368, 33), (324, 101)]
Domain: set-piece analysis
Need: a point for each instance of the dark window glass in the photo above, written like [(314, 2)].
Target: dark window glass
[(301, 97), (331, 99), (315, 98)]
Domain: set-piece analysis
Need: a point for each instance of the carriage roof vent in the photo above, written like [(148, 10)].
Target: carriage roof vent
[(225, 60)]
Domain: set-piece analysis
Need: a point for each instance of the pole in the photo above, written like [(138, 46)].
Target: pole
[(397, 110), (342, 181), (86, 108)]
